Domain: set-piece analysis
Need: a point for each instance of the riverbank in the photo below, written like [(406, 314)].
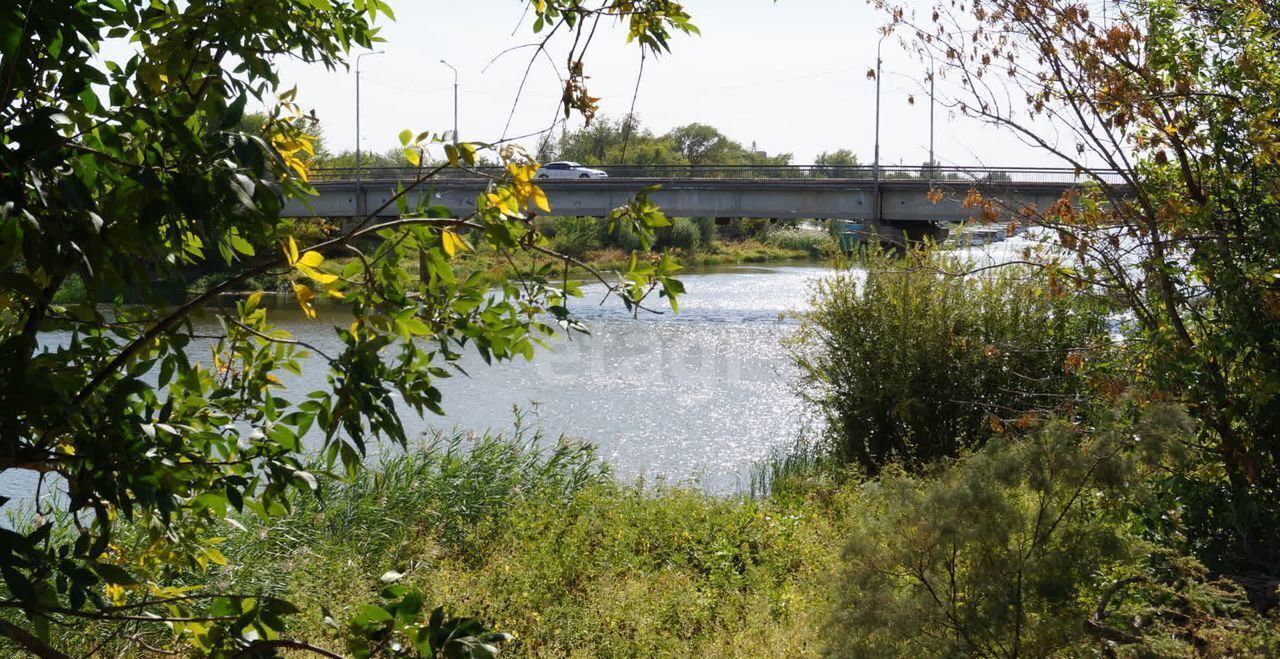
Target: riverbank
[(537, 539), (497, 268)]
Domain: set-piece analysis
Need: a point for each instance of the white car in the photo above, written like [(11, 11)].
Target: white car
[(567, 169)]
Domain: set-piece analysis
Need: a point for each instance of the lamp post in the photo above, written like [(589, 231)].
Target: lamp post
[(875, 168), (932, 162), (359, 193), (455, 101), (933, 68)]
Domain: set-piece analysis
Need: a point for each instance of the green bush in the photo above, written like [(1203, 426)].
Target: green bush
[(624, 238), (1029, 549), (71, 291), (749, 227), (683, 234), (706, 229), (575, 236), (905, 363), (816, 243), (546, 225)]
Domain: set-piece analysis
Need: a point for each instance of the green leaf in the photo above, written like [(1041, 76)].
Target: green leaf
[(114, 574), (370, 615), (241, 245), (18, 584), (234, 113)]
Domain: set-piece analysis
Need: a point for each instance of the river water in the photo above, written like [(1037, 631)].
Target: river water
[(695, 397)]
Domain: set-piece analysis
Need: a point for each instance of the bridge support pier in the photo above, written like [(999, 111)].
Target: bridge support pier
[(898, 233), (913, 232)]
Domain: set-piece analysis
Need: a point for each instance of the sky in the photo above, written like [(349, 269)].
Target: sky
[(789, 76)]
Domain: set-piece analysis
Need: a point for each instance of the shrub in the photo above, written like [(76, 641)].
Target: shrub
[(906, 363), (816, 243), (745, 227), (683, 234), (1028, 549), (575, 236), (706, 229), (546, 225), (71, 291), (624, 238)]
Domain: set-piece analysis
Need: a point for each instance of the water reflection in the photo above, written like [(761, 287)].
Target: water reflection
[(694, 397)]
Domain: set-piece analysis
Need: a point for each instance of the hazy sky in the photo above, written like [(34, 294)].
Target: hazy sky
[(789, 76)]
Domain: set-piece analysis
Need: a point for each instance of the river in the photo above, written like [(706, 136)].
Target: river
[(695, 397)]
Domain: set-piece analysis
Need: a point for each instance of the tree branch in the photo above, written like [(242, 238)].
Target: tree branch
[(30, 643)]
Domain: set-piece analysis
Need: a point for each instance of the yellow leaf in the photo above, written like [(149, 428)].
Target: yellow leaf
[(305, 295), (505, 201), (453, 243), (291, 251), (215, 556), (311, 259), (317, 276), (116, 593), (540, 200)]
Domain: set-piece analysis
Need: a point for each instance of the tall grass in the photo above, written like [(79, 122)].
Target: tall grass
[(447, 487), (816, 243), (533, 536), (908, 361)]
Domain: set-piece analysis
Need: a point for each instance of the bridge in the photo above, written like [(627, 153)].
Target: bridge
[(896, 203)]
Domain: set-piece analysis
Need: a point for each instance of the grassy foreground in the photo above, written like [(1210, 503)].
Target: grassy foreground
[(540, 541)]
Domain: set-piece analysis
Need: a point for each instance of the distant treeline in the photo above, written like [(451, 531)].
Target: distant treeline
[(606, 141)]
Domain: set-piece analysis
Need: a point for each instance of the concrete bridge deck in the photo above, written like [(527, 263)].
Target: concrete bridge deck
[(789, 193)]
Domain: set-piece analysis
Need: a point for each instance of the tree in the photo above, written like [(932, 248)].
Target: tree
[(701, 144), (606, 141), (705, 145), (259, 124), (616, 142), (1175, 102), (839, 157), (121, 174), (841, 163)]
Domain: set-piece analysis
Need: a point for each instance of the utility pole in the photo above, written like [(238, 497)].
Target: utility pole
[(455, 101), (932, 162), (875, 169), (359, 192), (933, 69)]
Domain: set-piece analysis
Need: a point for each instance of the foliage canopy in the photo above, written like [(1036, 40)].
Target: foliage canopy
[(1179, 99), (125, 174)]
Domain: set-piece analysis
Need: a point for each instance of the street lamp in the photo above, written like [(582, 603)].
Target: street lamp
[(875, 168), (933, 70), (359, 194), (455, 101)]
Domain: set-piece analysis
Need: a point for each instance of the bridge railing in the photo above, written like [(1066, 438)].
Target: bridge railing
[(941, 174)]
